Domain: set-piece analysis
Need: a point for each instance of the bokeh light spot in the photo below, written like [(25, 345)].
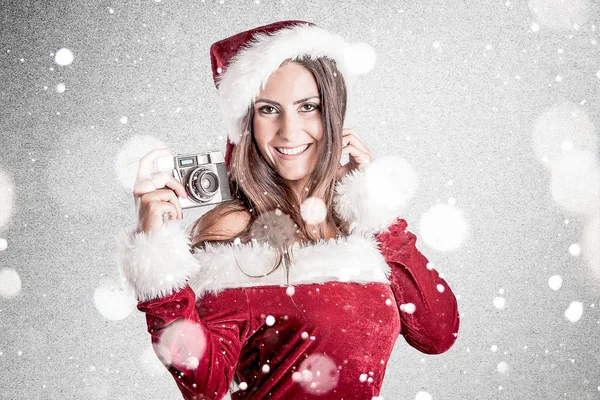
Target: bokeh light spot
[(575, 182), (499, 302), (10, 283), (179, 341), (564, 127), (590, 244), (422, 395), (128, 158), (276, 229), (113, 302), (574, 312), (555, 282), (444, 227), (63, 57), (319, 374), (6, 198), (313, 210), (560, 14), (408, 308), (502, 367)]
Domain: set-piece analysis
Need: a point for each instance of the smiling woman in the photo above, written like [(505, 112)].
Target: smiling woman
[(286, 305), (289, 132)]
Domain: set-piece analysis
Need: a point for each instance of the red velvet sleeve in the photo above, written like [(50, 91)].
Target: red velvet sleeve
[(201, 352), (431, 326)]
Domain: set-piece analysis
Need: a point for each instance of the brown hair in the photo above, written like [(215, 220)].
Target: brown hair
[(259, 190)]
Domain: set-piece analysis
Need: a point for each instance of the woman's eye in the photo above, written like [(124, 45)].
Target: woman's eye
[(310, 107), (268, 110)]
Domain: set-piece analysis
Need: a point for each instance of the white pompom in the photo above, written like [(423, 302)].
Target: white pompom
[(361, 58)]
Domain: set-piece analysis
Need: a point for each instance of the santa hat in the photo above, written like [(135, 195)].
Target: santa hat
[(242, 64)]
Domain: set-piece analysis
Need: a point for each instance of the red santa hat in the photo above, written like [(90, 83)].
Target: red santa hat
[(242, 64)]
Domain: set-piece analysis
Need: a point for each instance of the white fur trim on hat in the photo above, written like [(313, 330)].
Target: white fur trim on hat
[(156, 264), (371, 199), (249, 70)]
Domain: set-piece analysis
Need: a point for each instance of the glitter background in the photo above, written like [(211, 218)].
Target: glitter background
[(457, 90)]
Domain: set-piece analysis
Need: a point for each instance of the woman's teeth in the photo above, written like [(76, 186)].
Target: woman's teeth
[(296, 150)]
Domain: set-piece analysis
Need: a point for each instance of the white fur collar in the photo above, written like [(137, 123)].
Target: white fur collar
[(354, 258)]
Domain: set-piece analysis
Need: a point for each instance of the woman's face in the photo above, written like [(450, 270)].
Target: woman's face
[(287, 118)]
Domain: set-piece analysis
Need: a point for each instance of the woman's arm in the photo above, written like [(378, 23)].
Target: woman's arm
[(371, 200), (428, 308), (198, 343), (200, 353)]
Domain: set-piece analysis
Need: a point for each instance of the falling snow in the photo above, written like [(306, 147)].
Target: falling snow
[(502, 367), (422, 395), (313, 210), (112, 302), (63, 57), (500, 182), (408, 308), (555, 282), (10, 283), (574, 312), (444, 227)]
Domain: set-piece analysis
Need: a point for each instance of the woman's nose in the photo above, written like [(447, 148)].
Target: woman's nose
[(290, 126)]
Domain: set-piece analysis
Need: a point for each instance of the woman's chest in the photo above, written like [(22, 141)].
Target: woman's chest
[(324, 315), (337, 331)]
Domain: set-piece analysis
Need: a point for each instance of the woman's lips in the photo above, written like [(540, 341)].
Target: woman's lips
[(293, 156)]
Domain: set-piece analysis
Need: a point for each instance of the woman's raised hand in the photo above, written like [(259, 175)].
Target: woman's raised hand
[(155, 194), (359, 154)]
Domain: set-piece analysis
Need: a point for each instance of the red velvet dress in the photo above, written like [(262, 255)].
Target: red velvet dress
[(326, 336)]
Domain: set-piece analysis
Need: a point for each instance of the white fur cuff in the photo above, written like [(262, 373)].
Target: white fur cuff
[(372, 199), (156, 264)]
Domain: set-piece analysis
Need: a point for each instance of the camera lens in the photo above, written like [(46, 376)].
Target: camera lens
[(204, 184), (207, 183)]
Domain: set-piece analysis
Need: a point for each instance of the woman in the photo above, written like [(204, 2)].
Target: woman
[(298, 288)]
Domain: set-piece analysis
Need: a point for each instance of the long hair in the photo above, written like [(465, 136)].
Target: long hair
[(269, 198)]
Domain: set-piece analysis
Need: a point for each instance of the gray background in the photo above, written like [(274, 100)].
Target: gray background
[(456, 91)]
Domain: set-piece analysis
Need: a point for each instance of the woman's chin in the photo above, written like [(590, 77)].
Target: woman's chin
[(294, 179)]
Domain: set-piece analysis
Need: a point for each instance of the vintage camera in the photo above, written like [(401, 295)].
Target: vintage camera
[(203, 174)]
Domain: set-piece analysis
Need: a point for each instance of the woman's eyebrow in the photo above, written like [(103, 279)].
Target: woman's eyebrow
[(277, 104)]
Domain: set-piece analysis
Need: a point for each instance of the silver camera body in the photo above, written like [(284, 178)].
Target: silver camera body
[(203, 175)]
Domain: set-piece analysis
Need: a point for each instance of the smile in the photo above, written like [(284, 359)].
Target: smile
[(292, 153)]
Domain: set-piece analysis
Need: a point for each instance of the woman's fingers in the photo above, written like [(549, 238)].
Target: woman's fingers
[(142, 187), (143, 181), (151, 216), (352, 145), (145, 167), (357, 155), (159, 180), (148, 181), (349, 136), (160, 201)]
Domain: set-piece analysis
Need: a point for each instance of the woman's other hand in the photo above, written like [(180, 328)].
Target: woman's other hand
[(359, 154), (155, 194)]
